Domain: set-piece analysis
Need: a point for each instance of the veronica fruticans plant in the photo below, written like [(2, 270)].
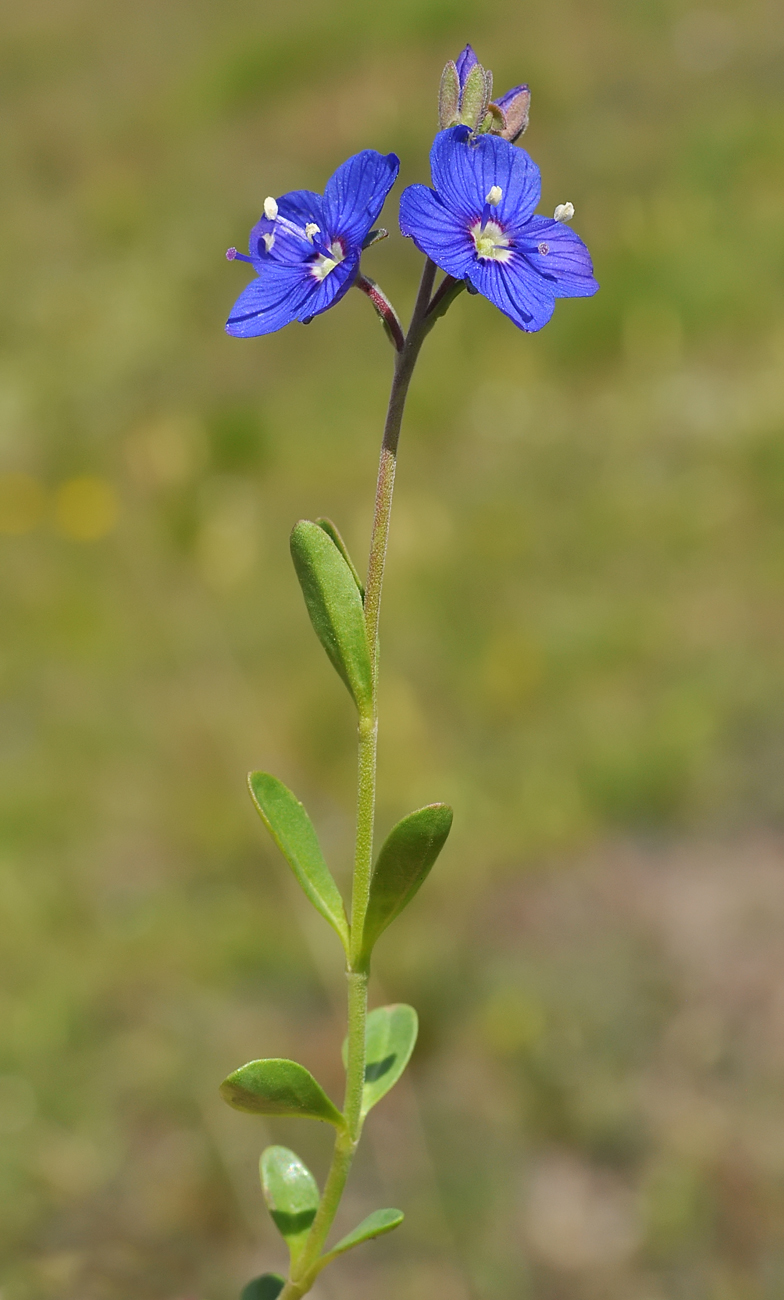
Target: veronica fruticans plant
[(478, 226)]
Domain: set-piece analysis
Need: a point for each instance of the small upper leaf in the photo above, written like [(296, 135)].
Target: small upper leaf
[(266, 1287), (291, 1193), (390, 1036), (406, 857), (377, 1223), (332, 529), (335, 607), (292, 830), (279, 1087)]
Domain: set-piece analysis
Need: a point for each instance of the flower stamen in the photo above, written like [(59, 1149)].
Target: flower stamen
[(492, 199), (321, 266)]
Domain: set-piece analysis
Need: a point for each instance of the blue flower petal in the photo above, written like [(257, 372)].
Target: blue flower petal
[(436, 231), (521, 294), (354, 195), (567, 259), (275, 298), (465, 61), (331, 289), (465, 169), (302, 206)]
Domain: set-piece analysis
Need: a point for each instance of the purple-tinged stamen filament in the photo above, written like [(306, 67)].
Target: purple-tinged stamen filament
[(233, 256), (493, 198)]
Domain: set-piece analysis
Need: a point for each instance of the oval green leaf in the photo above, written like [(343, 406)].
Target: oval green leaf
[(291, 1193), (375, 1225), (389, 1041), (406, 857), (266, 1287), (335, 607), (292, 830), (279, 1087)]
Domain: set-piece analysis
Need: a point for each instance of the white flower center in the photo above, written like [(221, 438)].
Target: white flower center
[(321, 266), (490, 242)]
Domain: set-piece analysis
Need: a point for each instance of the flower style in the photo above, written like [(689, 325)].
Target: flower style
[(306, 248), (478, 225)]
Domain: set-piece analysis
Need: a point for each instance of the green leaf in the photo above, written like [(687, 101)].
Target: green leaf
[(390, 1036), (335, 607), (406, 857), (326, 524), (291, 1193), (266, 1287), (292, 830), (375, 1225), (279, 1087)]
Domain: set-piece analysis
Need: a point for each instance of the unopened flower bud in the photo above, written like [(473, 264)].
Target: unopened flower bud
[(515, 106), (564, 212), (466, 99)]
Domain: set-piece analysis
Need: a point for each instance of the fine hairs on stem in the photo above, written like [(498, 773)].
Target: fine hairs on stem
[(356, 976), (477, 227)]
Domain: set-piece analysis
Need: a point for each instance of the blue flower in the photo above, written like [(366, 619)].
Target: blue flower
[(478, 225), (306, 249)]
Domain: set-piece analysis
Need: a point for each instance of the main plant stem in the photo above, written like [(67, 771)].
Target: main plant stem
[(347, 1140)]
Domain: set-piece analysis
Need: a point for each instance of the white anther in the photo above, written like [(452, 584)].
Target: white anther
[(270, 208), (269, 240), (494, 196), (312, 229), (564, 212)]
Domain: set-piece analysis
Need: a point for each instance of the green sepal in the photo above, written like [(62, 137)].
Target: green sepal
[(375, 1225), (292, 1195), (406, 857), (494, 121), (332, 531), (335, 608), (292, 830), (266, 1287), (279, 1087), (374, 237), (476, 96), (390, 1035), (449, 96)]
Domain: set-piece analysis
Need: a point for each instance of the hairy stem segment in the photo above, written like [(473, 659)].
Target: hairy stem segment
[(407, 352)]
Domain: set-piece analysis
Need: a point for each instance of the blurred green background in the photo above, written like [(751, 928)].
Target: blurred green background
[(583, 650)]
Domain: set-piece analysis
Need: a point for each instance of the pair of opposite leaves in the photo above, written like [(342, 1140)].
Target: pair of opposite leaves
[(279, 1087), (276, 1086), (293, 1199), (334, 598)]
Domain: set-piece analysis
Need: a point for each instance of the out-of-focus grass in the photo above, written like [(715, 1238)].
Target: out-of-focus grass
[(582, 640)]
